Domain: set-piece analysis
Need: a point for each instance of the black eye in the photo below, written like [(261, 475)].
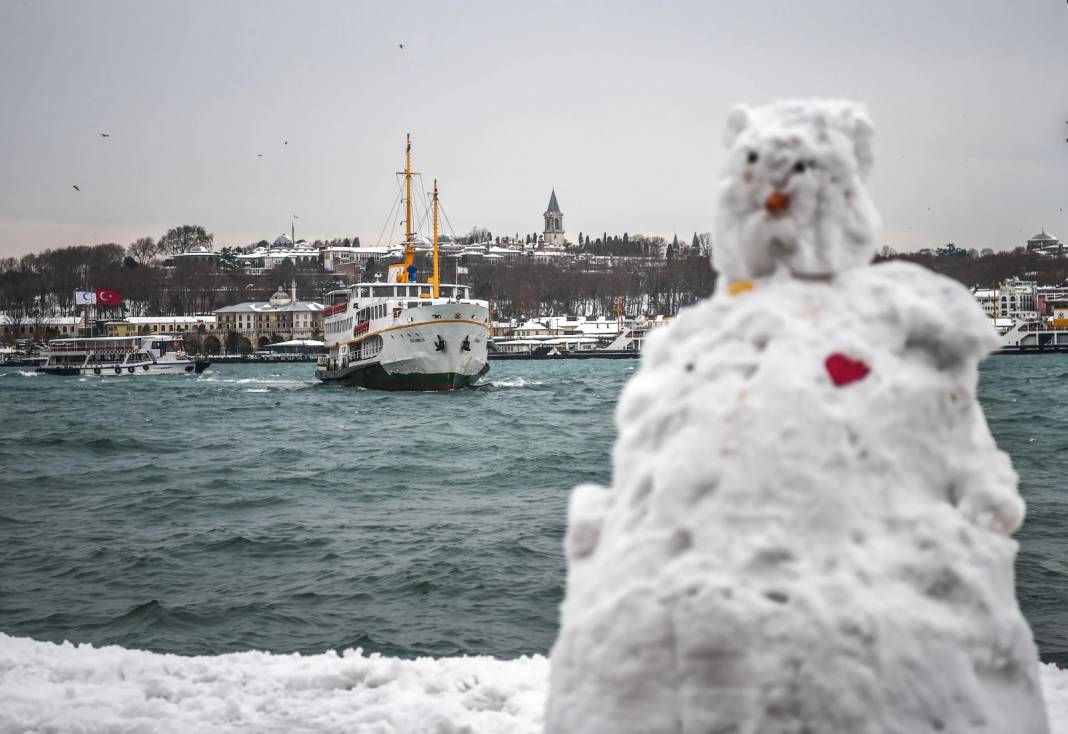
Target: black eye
[(752, 157), (799, 167)]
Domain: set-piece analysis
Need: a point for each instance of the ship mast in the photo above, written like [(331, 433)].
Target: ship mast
[(409, 245), (436, 281)]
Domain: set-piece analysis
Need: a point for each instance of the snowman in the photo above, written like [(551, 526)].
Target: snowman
[(809, 524)]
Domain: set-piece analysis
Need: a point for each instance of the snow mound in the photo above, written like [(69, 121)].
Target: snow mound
[(809, 524), (781, 553), (49, 687)]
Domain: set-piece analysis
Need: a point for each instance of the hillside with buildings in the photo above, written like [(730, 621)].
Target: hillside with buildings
[(231, 299)]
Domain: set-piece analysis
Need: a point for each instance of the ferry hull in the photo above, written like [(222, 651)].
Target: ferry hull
[(124, 371), (376, 377)]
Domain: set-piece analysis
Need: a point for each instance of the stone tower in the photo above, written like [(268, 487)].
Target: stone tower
[(554, 223)]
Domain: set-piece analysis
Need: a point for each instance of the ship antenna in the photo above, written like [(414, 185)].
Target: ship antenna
[(408, 188)]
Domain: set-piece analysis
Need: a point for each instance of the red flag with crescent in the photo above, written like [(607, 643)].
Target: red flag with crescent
[(108, 297)]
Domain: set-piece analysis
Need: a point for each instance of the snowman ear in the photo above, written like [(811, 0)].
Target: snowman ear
[(738, 120), (854, 121)]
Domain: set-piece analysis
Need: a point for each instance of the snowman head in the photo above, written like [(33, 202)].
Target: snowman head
[(793, 197)]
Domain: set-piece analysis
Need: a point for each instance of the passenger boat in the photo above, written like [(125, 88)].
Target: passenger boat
[(405, 334), (117, 356)]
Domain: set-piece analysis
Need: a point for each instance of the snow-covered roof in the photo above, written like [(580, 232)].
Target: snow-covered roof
[(198, 252), (360, 250), (261, 252), (301, 306), (47, 321), (1042, 236), (265, 307), (171, 319)]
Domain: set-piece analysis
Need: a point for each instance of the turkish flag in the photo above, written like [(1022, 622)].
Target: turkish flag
[(108, 297)]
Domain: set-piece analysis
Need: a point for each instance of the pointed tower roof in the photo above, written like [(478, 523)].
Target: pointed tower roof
[(554, 208)]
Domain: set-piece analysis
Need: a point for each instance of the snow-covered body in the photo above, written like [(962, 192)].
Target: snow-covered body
[(395, 336), (779, 553), (157, 354), (809, 524)]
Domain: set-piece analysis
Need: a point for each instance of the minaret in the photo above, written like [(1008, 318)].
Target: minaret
[(554, 223)]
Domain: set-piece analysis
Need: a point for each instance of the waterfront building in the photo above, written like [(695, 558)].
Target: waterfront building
[(349, 259), (28, 327), (299, 253), (199, 255), (987, 298), (554, 223), (1017, 299), (136, 325), (1047, 294), (261, 322)]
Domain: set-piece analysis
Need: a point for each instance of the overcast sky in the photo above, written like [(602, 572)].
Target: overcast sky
[(619, 105)]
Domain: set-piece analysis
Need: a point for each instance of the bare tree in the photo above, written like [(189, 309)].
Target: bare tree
[(143, 250), (184, 239)]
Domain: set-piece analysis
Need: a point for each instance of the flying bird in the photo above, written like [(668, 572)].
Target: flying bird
[(401, 45), (259, 155), (77, 189), (105, 135), (286, 143)]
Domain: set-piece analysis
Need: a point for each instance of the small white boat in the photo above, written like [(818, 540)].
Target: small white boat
[(121, 355)]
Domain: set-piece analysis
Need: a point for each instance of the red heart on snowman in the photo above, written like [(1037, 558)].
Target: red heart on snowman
[(844, 370)]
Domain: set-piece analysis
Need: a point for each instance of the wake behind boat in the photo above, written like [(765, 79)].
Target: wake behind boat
[(403, 334), (118, 356)]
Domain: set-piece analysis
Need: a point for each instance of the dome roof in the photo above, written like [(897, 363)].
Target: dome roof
[(280, 297), (1042, 236), (282, 240)]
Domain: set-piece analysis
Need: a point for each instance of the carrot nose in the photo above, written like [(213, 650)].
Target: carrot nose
[(777, 202)]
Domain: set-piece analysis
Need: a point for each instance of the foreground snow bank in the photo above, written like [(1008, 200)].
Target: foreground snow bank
[(64, 688)]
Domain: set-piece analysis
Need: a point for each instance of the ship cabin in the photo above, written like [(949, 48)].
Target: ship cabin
[(111, 350), (353, 311)]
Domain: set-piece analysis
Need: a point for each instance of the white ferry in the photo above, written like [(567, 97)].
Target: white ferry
[(632, 337), (116, 356), (403, 334)]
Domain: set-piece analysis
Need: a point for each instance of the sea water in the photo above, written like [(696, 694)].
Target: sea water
[(250, 507)]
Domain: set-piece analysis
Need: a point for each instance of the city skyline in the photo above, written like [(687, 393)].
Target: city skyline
[(235, 117)]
